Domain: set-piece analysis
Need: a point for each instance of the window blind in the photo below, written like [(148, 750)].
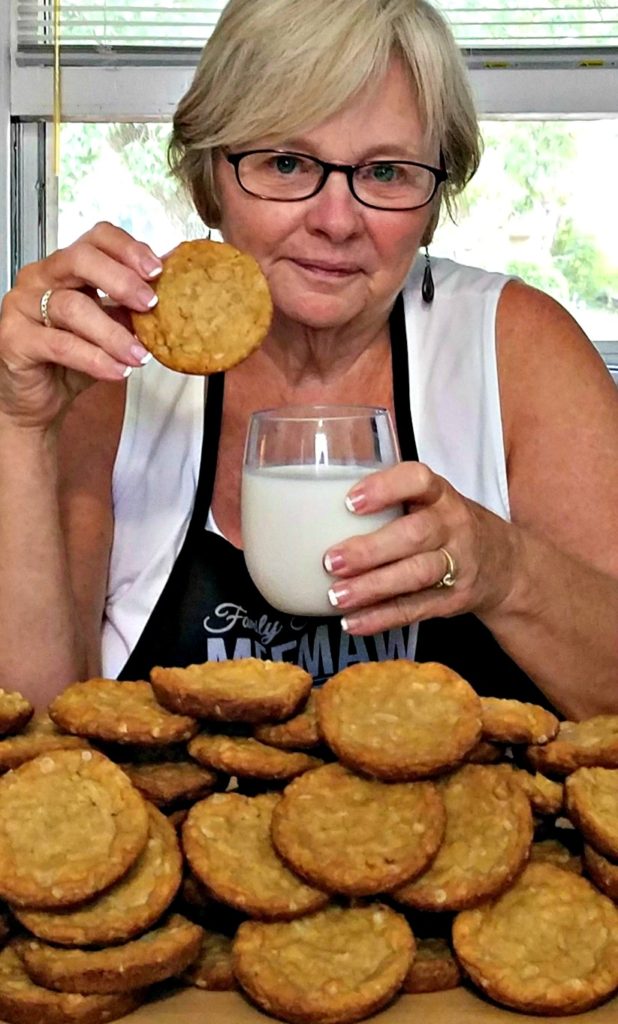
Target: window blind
[(117, 26)]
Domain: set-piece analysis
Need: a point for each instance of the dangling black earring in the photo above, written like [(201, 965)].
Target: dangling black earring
[(428, 290)]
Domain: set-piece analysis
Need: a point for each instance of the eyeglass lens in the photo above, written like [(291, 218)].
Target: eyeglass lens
[(289, 176)]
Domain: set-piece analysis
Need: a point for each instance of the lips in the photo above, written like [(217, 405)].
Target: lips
[(326, 267)]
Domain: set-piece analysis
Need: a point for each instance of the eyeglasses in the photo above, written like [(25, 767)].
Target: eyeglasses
[(381, 184)]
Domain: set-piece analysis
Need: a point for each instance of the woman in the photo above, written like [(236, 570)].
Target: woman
[(506, 416)]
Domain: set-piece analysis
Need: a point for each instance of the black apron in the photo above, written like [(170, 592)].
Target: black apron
[(210, 609)]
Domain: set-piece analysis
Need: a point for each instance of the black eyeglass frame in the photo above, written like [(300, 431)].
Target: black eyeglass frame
[(440, 175)]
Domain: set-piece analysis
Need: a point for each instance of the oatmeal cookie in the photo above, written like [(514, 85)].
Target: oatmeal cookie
[(552, 851), (227, 843), (545, 795), (335, 966), (120, 712), (244, 756), (245, 690), (15, 712), (171, 782), (24, 1002), (357, 836), (155, 956), (512, 721), (47, 808), (603, 872), (399, 720), (485, 752), (212, 969), (486, 843), (588, 744), (128, 907), (592, 805), (434, 968), (40, 736), (298, 733), (214, 308), (548, 945)]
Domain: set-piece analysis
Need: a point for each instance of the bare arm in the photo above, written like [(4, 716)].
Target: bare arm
[(546, 584), (57, 441), (560, 409)]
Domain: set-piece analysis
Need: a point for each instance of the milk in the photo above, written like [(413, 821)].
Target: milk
[(291, 515)]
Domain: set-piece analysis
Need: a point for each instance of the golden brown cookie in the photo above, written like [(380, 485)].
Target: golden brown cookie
[(298, 733), (214, 308), (485, 752), (212, 969), (548, 945), (71, 824), (244, 756), (245, 690), (512, 721), (15, 712), (545, 795), (40, 736), (357, 836), (169, 782), (128, 907), (434, 968), (399, 720), (603, 872), (335, 966), (486, 843), (592, 805), (226, 839), (588, 744), (155, 956), (552, 851), (121, 712), (24, 1002)]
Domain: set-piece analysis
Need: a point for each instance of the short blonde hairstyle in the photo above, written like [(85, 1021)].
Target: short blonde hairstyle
[(279, 67)]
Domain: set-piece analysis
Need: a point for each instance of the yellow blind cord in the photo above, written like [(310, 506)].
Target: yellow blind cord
[(57, 91)]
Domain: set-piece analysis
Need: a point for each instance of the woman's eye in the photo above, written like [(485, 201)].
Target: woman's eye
[(286, 164), (384, 173)]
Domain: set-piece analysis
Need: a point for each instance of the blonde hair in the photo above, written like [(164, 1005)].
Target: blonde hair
[(278, 67)]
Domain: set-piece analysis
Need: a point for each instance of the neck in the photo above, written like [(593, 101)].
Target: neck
[(306, 356)]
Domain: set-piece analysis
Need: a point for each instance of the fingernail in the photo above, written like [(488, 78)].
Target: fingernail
[(348, 623), (128, 370), (152, 266), (355, 500), (141, 353), (333, 561), (147, 297), (338, 596)]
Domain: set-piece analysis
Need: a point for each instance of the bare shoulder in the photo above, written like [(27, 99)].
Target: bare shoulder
[(88, 443), (560, 419)]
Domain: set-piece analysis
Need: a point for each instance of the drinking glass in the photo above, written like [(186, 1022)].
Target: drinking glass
[(299, 464)]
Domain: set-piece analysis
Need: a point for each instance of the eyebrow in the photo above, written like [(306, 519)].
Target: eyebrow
[(384, 150)]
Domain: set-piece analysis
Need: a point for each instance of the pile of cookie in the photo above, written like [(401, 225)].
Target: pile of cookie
[(227, 827)]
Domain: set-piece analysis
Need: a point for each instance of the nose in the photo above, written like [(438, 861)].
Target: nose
[(334, 211)]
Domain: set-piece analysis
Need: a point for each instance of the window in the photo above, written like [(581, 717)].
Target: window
[(546, 81)]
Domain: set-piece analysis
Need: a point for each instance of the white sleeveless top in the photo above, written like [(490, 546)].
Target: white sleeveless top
[(455, 407)]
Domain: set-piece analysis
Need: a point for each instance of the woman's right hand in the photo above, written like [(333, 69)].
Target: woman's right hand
[(42, 369)]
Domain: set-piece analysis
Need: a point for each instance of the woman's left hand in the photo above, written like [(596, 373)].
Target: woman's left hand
[(388, 578)]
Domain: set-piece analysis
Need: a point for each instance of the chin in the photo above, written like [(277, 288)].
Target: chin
[(318, 312)]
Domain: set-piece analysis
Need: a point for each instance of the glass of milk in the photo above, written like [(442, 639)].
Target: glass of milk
[(300, 462)]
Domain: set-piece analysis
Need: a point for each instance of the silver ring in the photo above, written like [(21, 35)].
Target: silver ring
[(44, 306), (450, 576)]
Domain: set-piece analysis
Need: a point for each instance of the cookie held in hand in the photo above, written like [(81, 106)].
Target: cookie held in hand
[(214, 309)]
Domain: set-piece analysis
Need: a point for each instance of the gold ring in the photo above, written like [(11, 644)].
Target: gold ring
[(44, 306), (449, 578)]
